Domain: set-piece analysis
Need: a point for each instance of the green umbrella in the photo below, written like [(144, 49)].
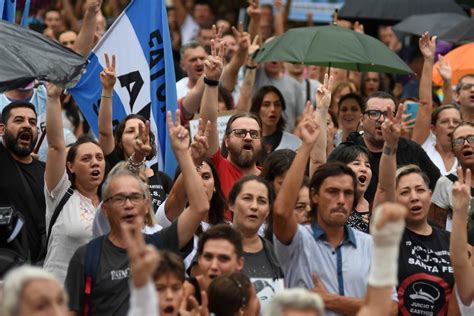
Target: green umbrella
[(332, 46)]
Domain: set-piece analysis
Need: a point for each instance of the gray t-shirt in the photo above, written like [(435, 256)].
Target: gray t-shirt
[(110, 291), (291, 91)]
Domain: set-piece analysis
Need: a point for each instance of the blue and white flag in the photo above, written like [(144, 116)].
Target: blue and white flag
[(8, 10), (145, 84)]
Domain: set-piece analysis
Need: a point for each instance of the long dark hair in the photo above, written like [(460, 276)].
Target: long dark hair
[(119, 133), (257, 101), (217, 204)]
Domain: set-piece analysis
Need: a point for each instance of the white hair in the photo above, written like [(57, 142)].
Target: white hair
[(299, 299), (15, 283)]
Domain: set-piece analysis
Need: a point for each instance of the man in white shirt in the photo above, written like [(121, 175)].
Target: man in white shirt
[(192, 63)]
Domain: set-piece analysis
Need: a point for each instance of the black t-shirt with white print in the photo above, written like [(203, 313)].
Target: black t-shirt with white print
[(425, 275)]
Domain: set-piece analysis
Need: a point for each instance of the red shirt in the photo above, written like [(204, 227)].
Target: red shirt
[(228, 174)]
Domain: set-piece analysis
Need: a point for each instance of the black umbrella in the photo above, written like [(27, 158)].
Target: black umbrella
[(27, 55), (434, 23), (461, 33), (389, 12)]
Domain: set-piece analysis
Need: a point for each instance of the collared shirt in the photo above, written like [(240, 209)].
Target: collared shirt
[(343, 271)]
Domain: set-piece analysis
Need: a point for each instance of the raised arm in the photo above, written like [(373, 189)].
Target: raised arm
[(386, 228), (463, 269), (143, 264), (68, 13), (323, 101), (446, 73), (388, 162), (190, 219), (106, 133), (255, 13), (284, 221), (177, 199), (421, 131), (56, 159), (209, 103), (231, 70), (279, 20), (85, 38), (245, 97)]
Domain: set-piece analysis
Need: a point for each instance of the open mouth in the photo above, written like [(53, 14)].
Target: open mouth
[(252, 217), (467, 152), (168, 309), (129, 218), (248, 147), (25, 137), (416, 209), (362, 179), (200, 69), (95, 173)]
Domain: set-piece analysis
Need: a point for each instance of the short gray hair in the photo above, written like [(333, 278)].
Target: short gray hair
[(189, 45), (121, 170), (299, 299), (15, 282)]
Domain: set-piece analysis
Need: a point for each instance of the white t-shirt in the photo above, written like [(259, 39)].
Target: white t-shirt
[(182, 88), (189, 30), (432, 152), (443, 198), (73, 227)]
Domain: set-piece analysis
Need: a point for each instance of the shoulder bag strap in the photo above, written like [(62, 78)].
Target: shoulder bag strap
[(92, 261)]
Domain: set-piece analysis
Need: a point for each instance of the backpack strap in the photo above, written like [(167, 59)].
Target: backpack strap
[(308, 90), (57, 211), (452, 177), (92, 261)]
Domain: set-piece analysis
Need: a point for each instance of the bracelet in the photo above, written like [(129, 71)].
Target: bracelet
[(135, 166), (211, 82), (250, 67), (389, 151), (105, 97)]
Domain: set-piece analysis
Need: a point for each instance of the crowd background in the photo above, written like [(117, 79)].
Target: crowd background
[(353, 185)]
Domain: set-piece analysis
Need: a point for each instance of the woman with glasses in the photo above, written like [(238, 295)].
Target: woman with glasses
[(269, 105), (462, 141), (72, 186)]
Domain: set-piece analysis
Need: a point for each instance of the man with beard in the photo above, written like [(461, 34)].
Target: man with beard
[(22, 177), (242, 135), (409, 152)]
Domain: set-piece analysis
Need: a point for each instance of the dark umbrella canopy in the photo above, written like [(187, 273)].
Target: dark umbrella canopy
[(461, 33), (332, 46), (393, 11), (434, 23), (27, 55)]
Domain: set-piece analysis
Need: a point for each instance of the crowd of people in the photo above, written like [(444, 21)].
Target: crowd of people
[(323, 196)]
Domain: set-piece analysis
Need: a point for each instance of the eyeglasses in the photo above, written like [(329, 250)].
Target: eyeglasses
[(461, 140), (371, 79), (119, 199), (467, 86), (375, 114), (241, 133)]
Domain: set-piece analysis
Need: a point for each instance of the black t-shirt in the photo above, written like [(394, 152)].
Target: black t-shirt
[(425, 275), (159, 184), (272, 141), (13, 193), (110, 293), (408, 152)]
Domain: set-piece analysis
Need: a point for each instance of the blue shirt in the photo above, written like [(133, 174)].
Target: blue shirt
[(343, 271)]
